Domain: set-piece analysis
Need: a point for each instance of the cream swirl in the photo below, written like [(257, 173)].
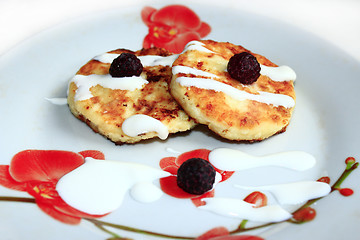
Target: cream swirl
[(106, 192), (140, 124)]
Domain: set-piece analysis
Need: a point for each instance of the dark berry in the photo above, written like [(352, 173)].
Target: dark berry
[(244, 67), (126, 65), (196, 176)]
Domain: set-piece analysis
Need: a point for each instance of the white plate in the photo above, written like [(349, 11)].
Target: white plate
[(325, 123)]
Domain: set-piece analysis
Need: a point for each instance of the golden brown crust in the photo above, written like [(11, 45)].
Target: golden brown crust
[(107, 109), (232, 119)]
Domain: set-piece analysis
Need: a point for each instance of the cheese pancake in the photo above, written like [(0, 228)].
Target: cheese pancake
[(202, 85), (143, 103)]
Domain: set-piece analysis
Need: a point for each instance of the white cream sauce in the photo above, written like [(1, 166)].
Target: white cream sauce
[(57, 101), (296, 192), (146, 61), (188, 70), (145, 192), (106, 57), (287, 193), (197, 46), (235, 160), (84, 84), (278, 74), (237, 208), (151, 60), (99, 186), (140, 124), (263, 97)]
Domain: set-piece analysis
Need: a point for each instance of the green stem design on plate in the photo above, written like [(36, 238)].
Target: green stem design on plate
[(17, 199), (241, 228), (114, 235), (135, 230)]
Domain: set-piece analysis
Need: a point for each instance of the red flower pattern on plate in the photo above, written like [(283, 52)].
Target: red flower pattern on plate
[(172, 164), (172, 27), (257, 198), (37, 173), (221, 233)]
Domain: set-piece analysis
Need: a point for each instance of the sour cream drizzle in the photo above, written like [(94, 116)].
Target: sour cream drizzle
[(296, 192), (84, 83), (234, 160), (146, 61), (140, 123), (264, 97), (288, 193), (237, 208), (194, 71), (282, 73), (57, 101), (197, 46), (278, 74), (99, 186)]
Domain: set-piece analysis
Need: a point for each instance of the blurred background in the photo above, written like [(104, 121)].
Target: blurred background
[(337, 21)]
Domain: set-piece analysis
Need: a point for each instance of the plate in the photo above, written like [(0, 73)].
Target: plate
[(325, 124)]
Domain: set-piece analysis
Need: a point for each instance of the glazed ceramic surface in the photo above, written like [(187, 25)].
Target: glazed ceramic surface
[(324, 124)]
